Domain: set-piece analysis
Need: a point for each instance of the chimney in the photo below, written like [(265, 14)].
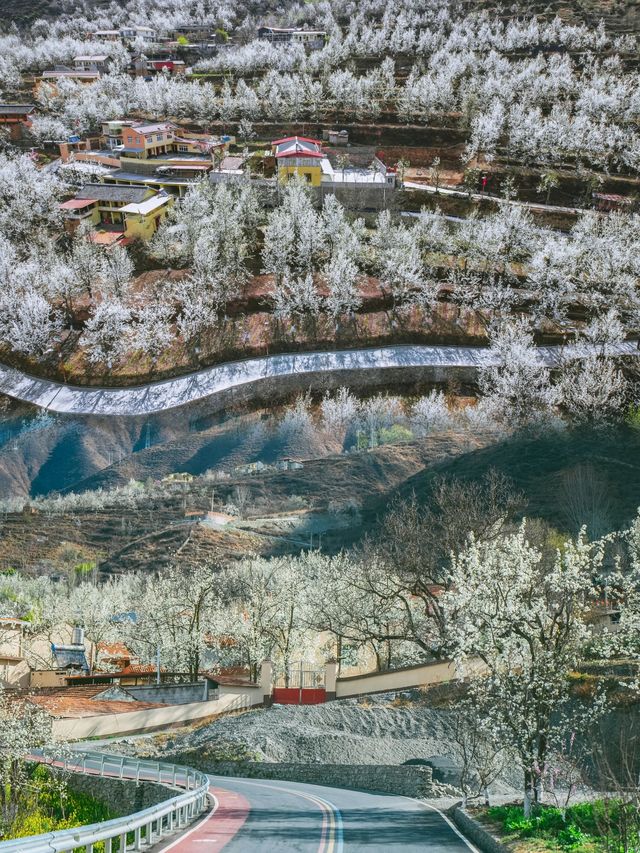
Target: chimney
[(77, 637)]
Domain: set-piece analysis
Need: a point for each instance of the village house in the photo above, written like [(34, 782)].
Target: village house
[(355, 186), (311, 39), (97, 63), (165, 65), (157, 156), (193, 32), (120, 211), (230, 168), (148, 140), (171, 178), (301, 156), (16, 118), (146, 34), (126, 34), (106, 35), (63, 72), (32, 661), (112, 131)]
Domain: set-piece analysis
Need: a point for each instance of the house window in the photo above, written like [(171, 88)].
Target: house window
[(159, 137), (183, 148)]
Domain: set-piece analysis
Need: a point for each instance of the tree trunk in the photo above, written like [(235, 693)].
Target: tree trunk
[(528, 784)]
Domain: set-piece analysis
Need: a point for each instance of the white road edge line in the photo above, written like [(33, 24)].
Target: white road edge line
[(444, 817), (199, 825)]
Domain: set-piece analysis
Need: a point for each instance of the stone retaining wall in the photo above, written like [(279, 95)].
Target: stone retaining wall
[(121, 795), (408, 780), (412, 380)]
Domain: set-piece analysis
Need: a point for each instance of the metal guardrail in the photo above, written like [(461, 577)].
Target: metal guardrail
[(130, 832)]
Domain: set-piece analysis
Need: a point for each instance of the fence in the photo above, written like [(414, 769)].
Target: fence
[(129, 832)]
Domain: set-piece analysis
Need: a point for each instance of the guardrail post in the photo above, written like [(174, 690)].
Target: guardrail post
[(108, 845), (150, 833), (136, 839), (89, 848), (121, 768), (102, 765), (123, 843), (175, 775)]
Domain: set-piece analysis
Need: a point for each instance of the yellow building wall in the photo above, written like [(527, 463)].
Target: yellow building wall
[(143, 227), (313, 174)]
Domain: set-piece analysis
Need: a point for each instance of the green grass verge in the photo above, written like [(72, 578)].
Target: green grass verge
[(611, 825)]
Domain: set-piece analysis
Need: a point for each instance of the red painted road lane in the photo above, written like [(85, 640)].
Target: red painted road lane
[(218, 828)]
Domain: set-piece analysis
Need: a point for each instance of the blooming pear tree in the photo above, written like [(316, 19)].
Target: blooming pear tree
[(518, 389), (24, 727), (523, 616), (179, 615)]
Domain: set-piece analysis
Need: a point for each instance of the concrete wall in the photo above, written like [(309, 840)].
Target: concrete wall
[(422, 675), (15, 673), (360, 196), (154, 719), (409, 780), (477, 833), (173, 694)]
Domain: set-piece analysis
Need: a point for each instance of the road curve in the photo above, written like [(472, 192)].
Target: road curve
[(171, 393), (260, 816)]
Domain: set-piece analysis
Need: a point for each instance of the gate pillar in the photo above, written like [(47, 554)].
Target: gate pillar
[(266, 682), (330, 675)]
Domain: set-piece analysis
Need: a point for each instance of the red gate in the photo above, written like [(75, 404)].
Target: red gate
[(300, 685)]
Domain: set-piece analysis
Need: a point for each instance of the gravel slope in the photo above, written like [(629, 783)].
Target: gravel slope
[(384, 729)]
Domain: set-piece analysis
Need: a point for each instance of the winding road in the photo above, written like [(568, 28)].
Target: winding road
[(171, 393), (260, 816)]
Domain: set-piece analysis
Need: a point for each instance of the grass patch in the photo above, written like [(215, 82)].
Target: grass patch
[(47, 805), (611, 825)]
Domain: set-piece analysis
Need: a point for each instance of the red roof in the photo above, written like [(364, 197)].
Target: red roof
[(107, 238), (77, 203), (74, 707), (139, 669), (296, 146), (292, 138), (116, 649)]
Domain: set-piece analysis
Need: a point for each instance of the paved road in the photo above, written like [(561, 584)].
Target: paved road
[(263, 816), (171, 393), (530, 205), (260, 816)]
